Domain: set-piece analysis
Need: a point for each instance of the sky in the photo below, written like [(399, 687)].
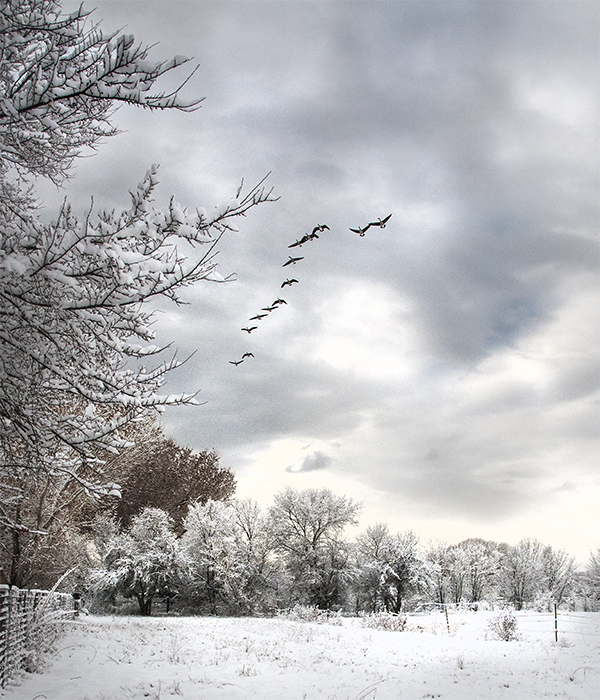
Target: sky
[(442, 370)]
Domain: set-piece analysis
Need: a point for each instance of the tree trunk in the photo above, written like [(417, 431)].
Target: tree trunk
[(145, 603)]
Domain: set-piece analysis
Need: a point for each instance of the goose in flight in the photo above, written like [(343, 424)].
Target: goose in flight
[(277, 302), (258, 317), (320, 227), (288, 283), (381, 222), (246, 354), (235, 362), (249, 330), (301, 241), (291, 261), (269, 308), (361, 231)]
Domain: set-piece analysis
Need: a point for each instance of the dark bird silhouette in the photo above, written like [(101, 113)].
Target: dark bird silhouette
[(291, 261), (249, 330), (361, 231), (300, 242), (258, 317), (320, 227), (277, 302), (269, 308), (381, 222), (235, 362), (312, 236), (246, 354), (288, 283)]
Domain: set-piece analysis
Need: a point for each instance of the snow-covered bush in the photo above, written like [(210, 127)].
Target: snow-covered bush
[(390, 622), (503, 627), (310, 613)]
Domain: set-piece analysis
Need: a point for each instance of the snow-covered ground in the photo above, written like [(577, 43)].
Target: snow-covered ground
[(117, 658)]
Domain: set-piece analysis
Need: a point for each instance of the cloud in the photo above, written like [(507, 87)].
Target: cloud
[(313, 462), (452, 355)]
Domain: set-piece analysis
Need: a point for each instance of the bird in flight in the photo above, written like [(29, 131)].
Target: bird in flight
[(246, 354), (258, 317), (269, 308), (361, 231), (235, 362), (249, 330), (277, 302), (320, 227), (291, 261), (288, 283), (300, 242), (381, 222)]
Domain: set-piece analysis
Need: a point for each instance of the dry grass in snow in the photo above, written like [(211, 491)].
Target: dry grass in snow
[(116, 658)]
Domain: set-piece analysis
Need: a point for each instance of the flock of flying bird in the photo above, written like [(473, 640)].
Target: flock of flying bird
[(319, 228)]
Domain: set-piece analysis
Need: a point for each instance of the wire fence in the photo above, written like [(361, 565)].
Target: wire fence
[(24, 619), (558, 625)]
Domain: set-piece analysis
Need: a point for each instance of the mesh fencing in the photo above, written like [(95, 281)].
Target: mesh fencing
[(24, 618)]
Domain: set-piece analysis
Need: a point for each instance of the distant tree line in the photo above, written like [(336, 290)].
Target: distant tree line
[(229, 558)]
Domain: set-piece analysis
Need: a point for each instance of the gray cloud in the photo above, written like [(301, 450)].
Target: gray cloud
[(475, 125), (313, 462)]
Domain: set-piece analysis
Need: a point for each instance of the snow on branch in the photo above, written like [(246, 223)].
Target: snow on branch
[(60, 80), (76, 322)]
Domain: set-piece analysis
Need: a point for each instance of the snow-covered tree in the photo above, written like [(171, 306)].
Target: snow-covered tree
[(593, 569), (307, 528), (398, 569), (168, 476), (144, 562), (43, 537), (74, 302), (257, 571), (459, 574), (231, 555), (558, 569), (588, 582), (60, 80), (209, 541), (473, 569), (77, 359), (370, 554), (521, 572), (438, 559)]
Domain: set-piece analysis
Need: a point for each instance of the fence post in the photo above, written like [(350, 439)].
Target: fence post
[(555, 623)]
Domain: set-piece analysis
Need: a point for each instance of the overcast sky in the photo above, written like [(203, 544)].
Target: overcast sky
[(442, 370)]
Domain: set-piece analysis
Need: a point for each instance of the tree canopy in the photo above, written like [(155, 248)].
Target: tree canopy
[(77, 358)]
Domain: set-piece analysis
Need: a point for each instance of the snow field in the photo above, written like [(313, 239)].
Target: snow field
[(118, 658)]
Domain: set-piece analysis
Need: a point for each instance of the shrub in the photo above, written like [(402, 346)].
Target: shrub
[(310, 613), (389, 622), (503, 627)]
